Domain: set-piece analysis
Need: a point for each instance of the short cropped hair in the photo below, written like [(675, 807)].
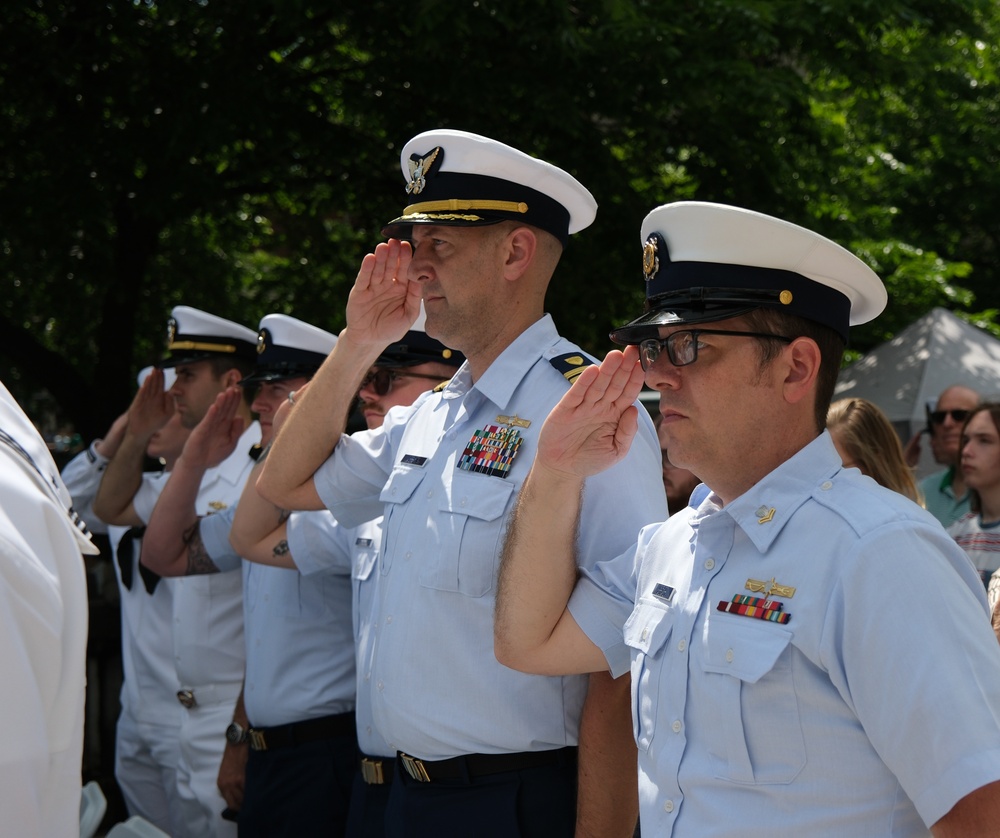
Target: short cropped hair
[(831, 347)]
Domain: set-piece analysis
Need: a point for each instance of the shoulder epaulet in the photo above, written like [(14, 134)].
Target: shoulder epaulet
[(570, 365)]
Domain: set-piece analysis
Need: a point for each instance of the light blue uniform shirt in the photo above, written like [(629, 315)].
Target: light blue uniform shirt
[(872, 711), (436, 689), (318, 544), (300, 658)]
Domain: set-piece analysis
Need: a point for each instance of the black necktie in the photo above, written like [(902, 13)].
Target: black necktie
[(125, 554)]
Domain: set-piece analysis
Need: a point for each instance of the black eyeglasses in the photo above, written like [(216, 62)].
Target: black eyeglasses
[(938, 416), (382, 379), (682, 347)]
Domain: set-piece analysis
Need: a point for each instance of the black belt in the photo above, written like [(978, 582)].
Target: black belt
[(480, 765), (298, 733), (376, 771)]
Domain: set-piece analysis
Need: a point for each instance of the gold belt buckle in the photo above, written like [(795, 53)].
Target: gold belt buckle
[(371, 771), (186, 698), (257, 741), (415, 768)]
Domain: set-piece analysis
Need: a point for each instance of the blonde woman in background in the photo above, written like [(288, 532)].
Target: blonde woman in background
[(866, 440)]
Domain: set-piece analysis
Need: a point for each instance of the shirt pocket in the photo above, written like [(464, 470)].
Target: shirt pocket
[(468, 524), (757, 738), (646, 633)]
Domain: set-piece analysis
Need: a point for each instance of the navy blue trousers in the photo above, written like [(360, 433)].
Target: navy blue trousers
[(533, 803), (366, 818), (299, 792)]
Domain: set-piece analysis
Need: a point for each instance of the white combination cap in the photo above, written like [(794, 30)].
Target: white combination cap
[(289, 348), (704, 262), (460, 179), (195, 335)]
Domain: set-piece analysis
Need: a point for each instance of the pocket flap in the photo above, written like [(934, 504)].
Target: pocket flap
[(648, 626), (476, 495), (402, 482)]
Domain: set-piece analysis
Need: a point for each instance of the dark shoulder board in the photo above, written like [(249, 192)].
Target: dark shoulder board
[(569, 366)]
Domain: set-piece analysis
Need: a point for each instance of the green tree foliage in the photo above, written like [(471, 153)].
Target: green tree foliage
[(242, 157)]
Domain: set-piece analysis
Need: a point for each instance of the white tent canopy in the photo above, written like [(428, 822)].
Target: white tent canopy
[(912, 369)]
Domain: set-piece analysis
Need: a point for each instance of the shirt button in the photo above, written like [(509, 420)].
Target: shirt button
[(826, 486), (676, 727), (430, 493), (462, 502), (645, 634), (368, 677), (380, 685), (408, 554), (729, 656), (709, 564), (682, 645), (388, 619), (668, 806), (368, 729)]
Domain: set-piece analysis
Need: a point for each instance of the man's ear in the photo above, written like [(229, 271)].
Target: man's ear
[(232, 377), (803, 358), (520, 246)]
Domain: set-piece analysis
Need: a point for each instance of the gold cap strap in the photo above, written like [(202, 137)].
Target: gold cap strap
[(455, 204), (202, 347)]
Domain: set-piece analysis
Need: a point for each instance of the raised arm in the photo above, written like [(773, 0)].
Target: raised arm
[(381, 307), (172, 544), (82, 475), (150, 410), (589, 430)]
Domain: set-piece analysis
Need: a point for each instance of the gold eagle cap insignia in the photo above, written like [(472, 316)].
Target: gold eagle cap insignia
[(650, 261), (418, 171)]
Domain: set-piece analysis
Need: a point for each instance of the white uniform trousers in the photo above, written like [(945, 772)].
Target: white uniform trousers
[(146, 757), (202, 741)]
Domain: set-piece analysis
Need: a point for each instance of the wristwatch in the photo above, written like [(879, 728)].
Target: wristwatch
[(236, 734)]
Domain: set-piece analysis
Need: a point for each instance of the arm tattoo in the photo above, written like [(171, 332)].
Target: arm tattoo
[(281, 548), (198, 559)]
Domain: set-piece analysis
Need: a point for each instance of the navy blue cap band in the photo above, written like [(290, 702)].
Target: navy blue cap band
[(528, 205)]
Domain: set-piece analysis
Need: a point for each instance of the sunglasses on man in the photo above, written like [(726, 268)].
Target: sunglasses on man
[(382, 379), (938, 416)]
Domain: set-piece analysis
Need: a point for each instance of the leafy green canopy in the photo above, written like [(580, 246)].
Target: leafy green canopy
[(241, 157)]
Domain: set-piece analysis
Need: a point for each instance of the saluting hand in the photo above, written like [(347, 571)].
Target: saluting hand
[(593, 425), (383, 303), (151, 407), (214, 438)]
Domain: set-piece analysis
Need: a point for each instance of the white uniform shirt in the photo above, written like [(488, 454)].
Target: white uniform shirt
[(150, 679), (43, 637), (871, 711), (436, 688), (208, 609)]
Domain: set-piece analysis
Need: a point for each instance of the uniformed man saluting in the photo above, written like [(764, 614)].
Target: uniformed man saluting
[(484, 750), (810, 652)]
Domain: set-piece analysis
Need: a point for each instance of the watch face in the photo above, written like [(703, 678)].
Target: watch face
[(235, 734)]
